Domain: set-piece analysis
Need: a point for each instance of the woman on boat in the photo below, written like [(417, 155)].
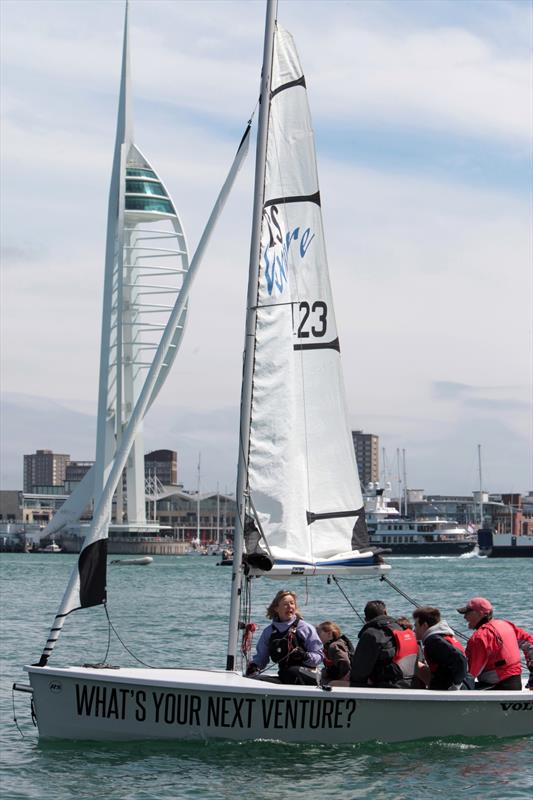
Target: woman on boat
[(288, 641), (338, 651)]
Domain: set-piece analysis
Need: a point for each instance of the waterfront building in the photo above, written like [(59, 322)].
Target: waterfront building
[(44, 468), (10, 505), (177, 511), (366, 446), (162, 464), (40, 507), (502, 513), (76, 470)]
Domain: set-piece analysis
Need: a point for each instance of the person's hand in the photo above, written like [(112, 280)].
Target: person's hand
[(297, 656), (251, 670)]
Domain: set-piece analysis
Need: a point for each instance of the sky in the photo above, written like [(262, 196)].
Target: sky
[(422, 114)]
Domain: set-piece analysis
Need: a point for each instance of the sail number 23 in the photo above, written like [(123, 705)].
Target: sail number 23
[(313, 319)]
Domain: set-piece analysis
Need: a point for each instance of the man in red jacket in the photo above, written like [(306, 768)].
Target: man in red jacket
[(493, 650)]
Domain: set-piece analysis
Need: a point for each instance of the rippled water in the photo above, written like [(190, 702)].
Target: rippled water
[(174, 613)]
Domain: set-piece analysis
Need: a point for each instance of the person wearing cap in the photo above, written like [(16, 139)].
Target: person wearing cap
[(493, 650)]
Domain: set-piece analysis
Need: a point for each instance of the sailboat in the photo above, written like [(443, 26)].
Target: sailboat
[(300, 511)]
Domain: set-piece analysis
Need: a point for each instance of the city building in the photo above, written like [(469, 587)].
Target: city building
[(366, 446), (76, 470), (164, 465), (10, 505), (44, 468)]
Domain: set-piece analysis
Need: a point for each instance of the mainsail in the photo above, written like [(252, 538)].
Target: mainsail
[(302, 475)]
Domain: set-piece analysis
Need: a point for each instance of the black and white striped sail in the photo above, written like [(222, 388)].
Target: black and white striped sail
[(302, 474)]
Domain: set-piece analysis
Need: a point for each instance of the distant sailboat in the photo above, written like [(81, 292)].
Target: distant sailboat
[(196, 548)]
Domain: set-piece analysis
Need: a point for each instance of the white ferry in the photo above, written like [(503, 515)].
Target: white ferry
[(435, 536)]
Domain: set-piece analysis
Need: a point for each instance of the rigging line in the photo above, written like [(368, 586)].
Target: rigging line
[(418, 605), (258, 521), (124, 645), (397, 589), (15, 713), (356, 612), (108, 636), (246, 607)]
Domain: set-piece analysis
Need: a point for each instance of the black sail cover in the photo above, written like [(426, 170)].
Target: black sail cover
[(92, 568)]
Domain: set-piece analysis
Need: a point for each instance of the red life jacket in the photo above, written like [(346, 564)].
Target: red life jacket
[(504, 660), (433, 667), (406, 651)]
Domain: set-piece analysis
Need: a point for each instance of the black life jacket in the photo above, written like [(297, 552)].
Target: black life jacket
[(397, 661), (452, 642), (281, 643)]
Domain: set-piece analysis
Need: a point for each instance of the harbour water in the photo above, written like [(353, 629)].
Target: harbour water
[(174, 613)]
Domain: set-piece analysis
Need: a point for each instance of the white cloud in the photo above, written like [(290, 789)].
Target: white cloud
[(432, 279), (205, 57)]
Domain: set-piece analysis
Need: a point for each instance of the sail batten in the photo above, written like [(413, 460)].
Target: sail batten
[(289, 85), (311, 198)]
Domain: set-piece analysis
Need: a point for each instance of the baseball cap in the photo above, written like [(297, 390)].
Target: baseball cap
[(480, 604)]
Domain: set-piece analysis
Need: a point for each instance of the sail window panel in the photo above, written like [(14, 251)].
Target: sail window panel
[(136, 203), (140, 173), (145, 187)]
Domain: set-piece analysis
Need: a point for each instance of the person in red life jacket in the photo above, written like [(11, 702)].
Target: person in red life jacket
[(386, 653), (338, 651), (422, 673), (443, 653), (290, 642), (493, 650)]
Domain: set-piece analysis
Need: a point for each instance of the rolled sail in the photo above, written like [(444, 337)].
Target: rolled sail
[(303, 479)]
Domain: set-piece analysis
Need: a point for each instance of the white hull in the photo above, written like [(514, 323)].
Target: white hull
[(172, 704)]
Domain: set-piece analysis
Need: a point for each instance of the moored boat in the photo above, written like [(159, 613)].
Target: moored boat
[(423, 537), (52, 547), (505, 545)]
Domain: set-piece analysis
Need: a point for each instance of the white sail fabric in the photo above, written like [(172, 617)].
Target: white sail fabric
[(301, 458)]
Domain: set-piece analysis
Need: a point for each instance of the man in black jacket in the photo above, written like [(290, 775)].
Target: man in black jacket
[(386, 654), (444, 654)]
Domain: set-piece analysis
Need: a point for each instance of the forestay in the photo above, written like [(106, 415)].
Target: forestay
[(303, 479)]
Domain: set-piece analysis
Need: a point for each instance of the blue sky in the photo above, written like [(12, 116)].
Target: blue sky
[(422, 113)]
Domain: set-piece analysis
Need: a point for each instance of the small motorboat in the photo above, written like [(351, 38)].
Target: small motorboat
[(141, 561), (50, 548)]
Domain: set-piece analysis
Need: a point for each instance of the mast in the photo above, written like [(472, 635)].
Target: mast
[(480, 487), (404, 483), (249, 347), (198, 503), (399, 475), (218, 516)]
